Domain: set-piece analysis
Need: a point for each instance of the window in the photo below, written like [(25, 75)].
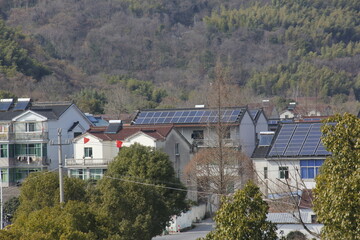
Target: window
[(33, 149), (314, 219), (30, 127), (310, 168), (227, 133), (4, 175), (197, 134), (88, 152), (77, 134), (177, 149), (265, 172), (96, 174), (3, 150), (284, 172), (78, 173)]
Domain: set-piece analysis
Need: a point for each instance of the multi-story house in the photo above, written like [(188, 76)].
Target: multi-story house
[(290, 158), (95, 149), (27, 131), (200, 125)]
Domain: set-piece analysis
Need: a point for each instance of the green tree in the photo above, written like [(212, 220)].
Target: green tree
[(41, 190), (134, 201), (243, 216), (91, 101), (337, 190), (74, 220), (11, 206)]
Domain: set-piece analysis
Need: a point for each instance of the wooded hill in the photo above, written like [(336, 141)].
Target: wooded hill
[(160, 53)]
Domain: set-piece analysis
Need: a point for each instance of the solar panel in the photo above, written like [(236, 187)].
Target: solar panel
[(188, 116), (114, 126), (5, 104), (21, 104)]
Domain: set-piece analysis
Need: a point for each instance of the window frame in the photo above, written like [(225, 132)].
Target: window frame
[(88, 152), (284, 172), (30, 127)]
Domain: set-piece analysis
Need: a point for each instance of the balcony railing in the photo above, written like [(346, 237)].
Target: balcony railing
[(69, 162), (24, 136), (24, 161), (215, 143)]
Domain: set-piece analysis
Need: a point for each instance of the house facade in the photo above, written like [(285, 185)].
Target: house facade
[(291, 158), (95, 149), (27, 131), (200, 126)]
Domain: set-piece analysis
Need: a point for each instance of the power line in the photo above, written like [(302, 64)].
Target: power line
[(160, 186)]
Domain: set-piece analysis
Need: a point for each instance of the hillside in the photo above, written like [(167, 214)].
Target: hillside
[(163, 53)]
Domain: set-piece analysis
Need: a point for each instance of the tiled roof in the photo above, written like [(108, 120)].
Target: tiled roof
[(260, 152), (157, 132), (306, 200)]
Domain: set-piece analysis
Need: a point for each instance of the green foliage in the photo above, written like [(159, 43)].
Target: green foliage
[(11, 206), (90, 101), (296, 235), (243, 216), (338, 186), (72, 221), (7, 94), (139, 88), (309, 79), (41, 190), (130, 203), (15, 58)]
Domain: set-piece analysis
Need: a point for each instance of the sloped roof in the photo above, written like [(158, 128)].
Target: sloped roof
[(156, 132), (189, 116), (50, 110)]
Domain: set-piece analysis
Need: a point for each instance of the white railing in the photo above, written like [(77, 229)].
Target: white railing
[(86, 161)]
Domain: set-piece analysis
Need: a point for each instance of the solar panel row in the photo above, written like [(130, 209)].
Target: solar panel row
[(299, 140), (4, 106), (187, 116)]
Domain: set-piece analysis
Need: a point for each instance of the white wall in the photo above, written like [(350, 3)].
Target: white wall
[(185, 220), (273, 183), (140, 138)]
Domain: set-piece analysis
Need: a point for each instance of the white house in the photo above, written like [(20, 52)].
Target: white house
[(199, 125), (27, 131), (95, 149), (292, 158)]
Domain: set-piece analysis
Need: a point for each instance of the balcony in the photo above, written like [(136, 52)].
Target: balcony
[(214, 143), (24, 161), (7, 136), (71, 162)]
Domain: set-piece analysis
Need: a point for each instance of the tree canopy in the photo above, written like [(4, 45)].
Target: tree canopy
[(337, 191), (137, 198), (243, 216)]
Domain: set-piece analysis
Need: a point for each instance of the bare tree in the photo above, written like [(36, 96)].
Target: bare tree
[(219, 167)]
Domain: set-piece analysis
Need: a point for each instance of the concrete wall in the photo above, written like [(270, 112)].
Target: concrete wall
[(185, 220), (246, 134)]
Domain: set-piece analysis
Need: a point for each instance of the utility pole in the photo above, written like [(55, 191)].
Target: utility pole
[(61, 179)]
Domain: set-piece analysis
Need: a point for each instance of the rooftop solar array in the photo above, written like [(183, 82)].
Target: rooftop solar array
[(5, 104), (302, 139), (188, 116), (21, 104)]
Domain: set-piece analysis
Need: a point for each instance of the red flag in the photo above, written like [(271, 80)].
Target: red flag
[(119, 143), (86, 139)]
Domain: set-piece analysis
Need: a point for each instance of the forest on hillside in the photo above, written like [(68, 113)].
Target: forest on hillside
[(120, 55)]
